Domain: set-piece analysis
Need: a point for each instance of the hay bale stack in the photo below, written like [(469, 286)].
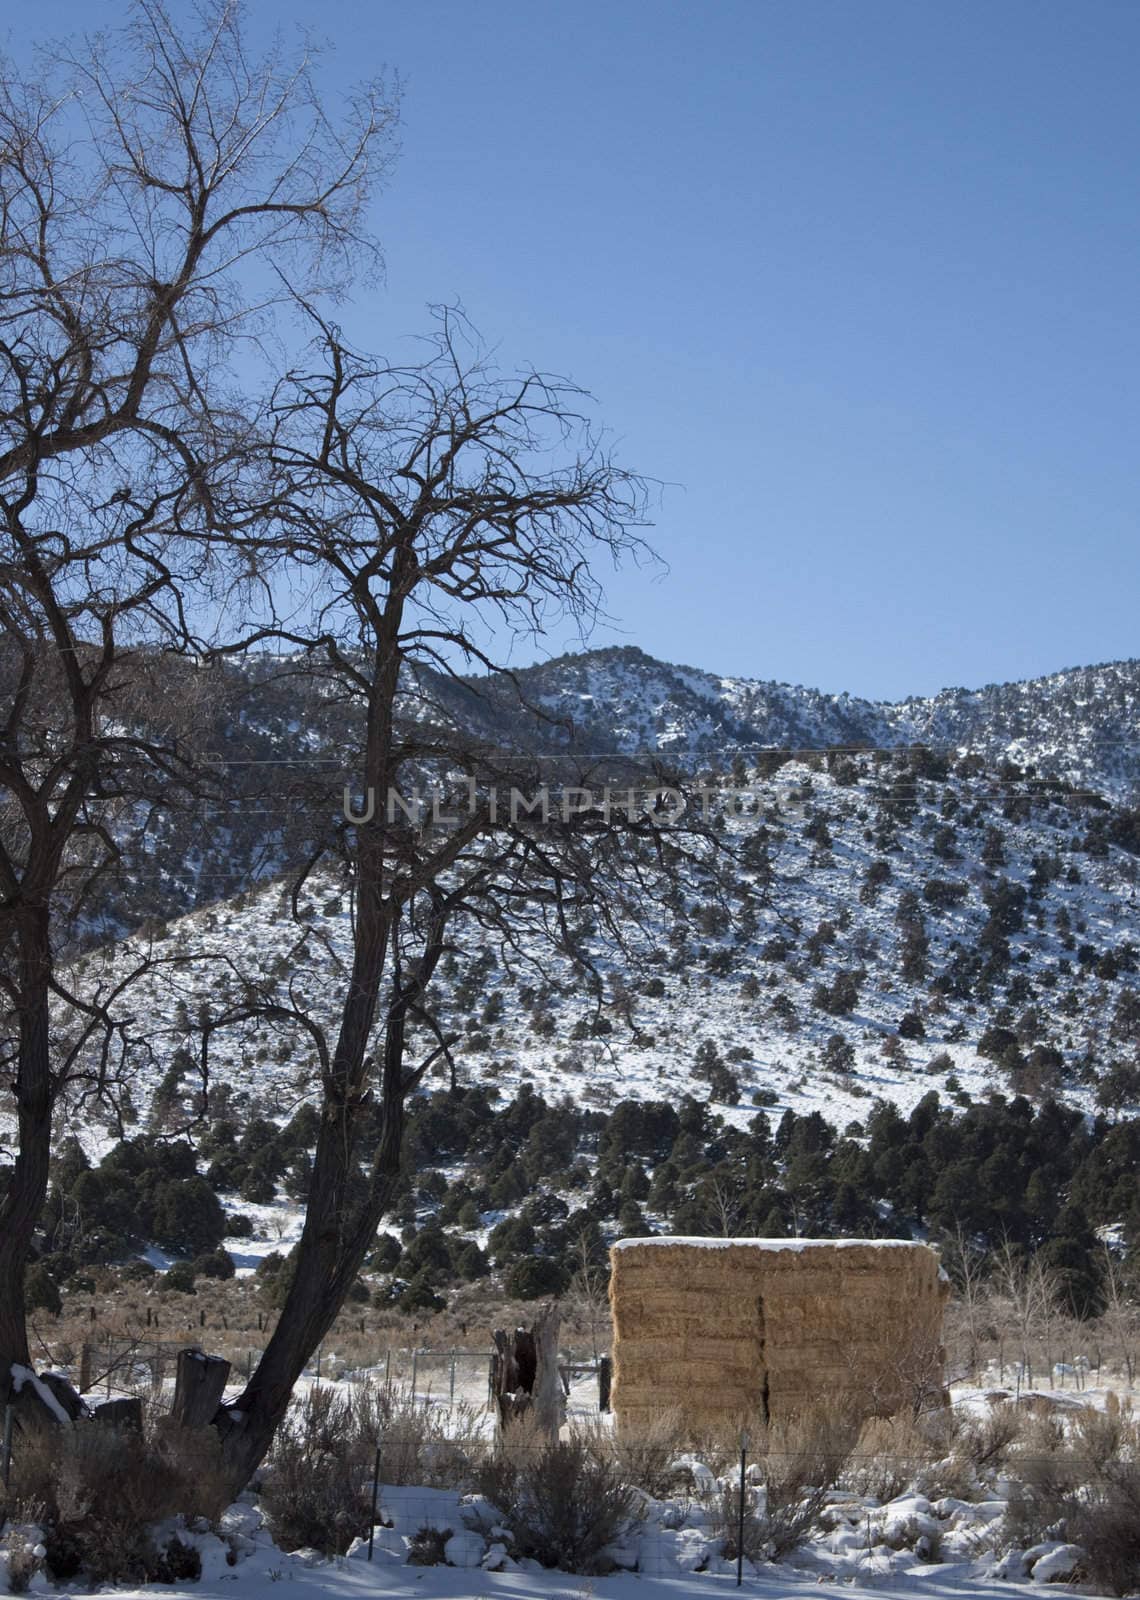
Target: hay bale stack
[(728, 1330)]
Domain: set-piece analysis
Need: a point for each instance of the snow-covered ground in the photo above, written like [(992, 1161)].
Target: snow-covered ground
[(354, 1579), (910, 1544), (894, 1524)]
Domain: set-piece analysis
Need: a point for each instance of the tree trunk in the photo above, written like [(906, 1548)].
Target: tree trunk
[(337, 1234), (24, 1198), (319, 1287), (331, 1251), (526, 1373)]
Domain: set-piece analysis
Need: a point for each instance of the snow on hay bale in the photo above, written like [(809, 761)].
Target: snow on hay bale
[(732, 1330)]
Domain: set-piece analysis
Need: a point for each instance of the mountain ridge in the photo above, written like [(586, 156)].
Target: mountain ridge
[(1079, 724)]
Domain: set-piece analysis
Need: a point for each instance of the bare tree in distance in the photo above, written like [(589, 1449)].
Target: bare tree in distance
[(152, 183), (1121, 1316), (440, 512), (1025, 1291), (967, 1261)]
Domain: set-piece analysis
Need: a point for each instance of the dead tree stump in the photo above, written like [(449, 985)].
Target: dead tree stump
[(198, 1388), (549, 1403), (524, 1374), (71, 1401), (125, 1414), (34, 1407)]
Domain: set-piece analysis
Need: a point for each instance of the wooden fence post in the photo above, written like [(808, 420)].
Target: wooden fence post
[(605, 1382), (198, 1388), (548, 1406)]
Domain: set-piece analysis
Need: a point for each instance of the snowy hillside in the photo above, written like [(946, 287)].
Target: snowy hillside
[(900, 923), (279, 748)]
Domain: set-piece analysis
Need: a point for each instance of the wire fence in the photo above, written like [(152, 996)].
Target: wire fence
[(145, 1368)]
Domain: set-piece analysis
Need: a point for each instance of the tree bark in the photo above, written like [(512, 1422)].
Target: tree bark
[(24, 1198)]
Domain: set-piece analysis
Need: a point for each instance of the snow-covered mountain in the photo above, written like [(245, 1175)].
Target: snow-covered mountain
[(905, 922), (1082, 725), (282, 749), (894, 867)]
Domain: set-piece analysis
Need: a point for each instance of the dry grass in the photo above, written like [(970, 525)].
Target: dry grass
[(231, 1319)]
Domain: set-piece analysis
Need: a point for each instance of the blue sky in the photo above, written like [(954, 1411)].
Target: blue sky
[(858, 280)]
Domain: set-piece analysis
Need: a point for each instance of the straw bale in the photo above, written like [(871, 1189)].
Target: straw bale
[(716, 1329)]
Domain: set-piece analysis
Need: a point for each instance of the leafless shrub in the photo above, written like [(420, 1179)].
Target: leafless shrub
[(315, 1491), (889, 1453), (318, 1484), (564, 1500), (773, 1528), (22, 1561), (801, 1458), (1101, 1436), (984, 1443), (1106, 1521), (1082, 1484), (420, 1443)]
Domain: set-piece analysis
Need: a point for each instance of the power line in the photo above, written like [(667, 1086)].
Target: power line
[(793, 752)]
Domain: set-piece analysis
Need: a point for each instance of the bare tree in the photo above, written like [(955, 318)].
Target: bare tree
[(427, 506), (1025, 1293), (1120, 1318), (967, 1261), (588, 1297), (727, 1204), (149, 187)]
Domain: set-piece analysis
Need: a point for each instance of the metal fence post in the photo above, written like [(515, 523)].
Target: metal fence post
[(375, 1499), (740, 1521)]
